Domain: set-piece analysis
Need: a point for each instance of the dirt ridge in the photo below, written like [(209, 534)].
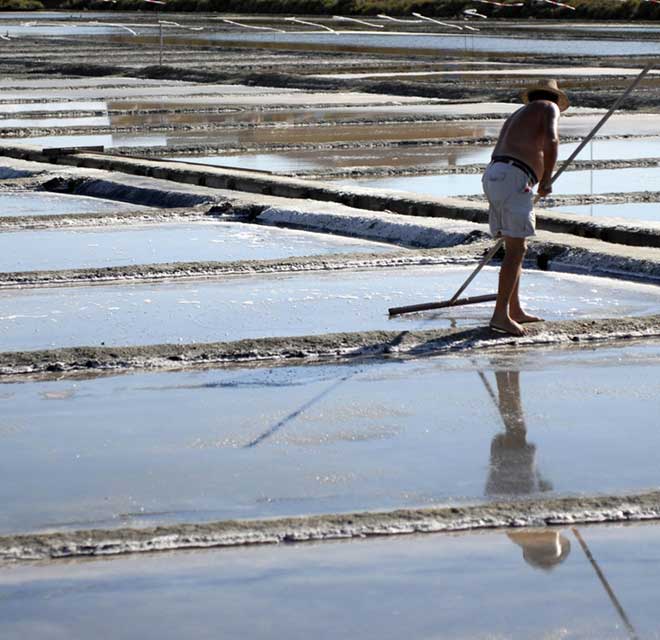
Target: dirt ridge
[(333, 346), (231, 533)]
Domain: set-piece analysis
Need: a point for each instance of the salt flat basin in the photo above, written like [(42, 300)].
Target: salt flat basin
[(641, 125), (476, 585), (284, 305), (445, 42), (627, 210), (525, 71), (20, 123), (114, 90), (301, 160), (571, 182), (201, 241), (149, 448), (106, 140), (30, 107), (88, 81), (35, 203)]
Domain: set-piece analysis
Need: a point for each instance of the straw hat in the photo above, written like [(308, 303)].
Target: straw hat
[(551, 87)]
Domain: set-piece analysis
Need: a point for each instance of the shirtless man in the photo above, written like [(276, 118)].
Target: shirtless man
[(525, 154)]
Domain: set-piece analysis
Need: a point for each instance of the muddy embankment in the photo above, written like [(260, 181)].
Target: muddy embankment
[(232, 533), (329, 347)]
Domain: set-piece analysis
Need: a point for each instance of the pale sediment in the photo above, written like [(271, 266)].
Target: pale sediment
[(178, 270), (331, 347), (232, 533)]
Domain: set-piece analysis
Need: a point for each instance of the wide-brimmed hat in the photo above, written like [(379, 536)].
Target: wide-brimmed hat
[(551, 87)]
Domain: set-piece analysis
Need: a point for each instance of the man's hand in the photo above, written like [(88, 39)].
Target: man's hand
[(545, 188)]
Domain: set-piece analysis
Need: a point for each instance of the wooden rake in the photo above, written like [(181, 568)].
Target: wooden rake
[(455, 300)]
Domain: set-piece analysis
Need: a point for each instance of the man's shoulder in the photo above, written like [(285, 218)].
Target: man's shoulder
[(544, 107)]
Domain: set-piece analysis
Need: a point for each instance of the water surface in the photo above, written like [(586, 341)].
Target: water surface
[(239, 307), (147, 448)]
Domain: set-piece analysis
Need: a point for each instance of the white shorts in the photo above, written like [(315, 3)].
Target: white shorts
[(511, 201)]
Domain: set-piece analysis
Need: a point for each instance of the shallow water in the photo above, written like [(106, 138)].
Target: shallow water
[(571, 182), (201, 241), (165, 91), (298, 160), (29, 107), (24, 123), (627, 210), (285, 305), (479, 585), (86, 140), (323, 439), (35, 203), (451, 42), (336, 133)]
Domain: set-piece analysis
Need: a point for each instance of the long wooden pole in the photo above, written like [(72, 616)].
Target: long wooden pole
[(606, 585), (599, 126), (453, 301), (426, 306)]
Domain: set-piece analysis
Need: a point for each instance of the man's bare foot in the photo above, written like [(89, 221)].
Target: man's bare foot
[(525, 318), (506, 325)]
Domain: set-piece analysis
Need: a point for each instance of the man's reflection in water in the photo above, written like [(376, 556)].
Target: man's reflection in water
[(542, 549), (512, 467), (513, 472)]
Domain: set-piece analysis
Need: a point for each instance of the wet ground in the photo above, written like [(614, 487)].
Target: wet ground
[(202, 241), (327, 439), (285, 305)]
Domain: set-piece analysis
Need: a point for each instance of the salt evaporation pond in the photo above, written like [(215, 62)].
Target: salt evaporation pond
[(105, 140), (201, 241), (19, 123), (627, 210), (239, 307), (123, 451), (447, 42), (300, 160), (29, 107), (525, 584), (34, 203), (596, 181)]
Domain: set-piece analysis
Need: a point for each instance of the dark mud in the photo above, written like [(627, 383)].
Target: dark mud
[(336, 347), (232, 533)]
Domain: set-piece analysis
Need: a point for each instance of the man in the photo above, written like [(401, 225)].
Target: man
[(525, 154)]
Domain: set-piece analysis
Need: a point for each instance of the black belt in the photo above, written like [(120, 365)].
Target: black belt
[(523, 166)]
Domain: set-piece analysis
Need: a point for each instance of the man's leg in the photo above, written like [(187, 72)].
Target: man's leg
[(516, 311), (509, 276)]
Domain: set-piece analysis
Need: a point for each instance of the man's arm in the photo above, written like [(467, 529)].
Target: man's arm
[(550, 147)]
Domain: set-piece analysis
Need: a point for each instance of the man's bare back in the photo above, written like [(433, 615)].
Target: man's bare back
[(531, 135)]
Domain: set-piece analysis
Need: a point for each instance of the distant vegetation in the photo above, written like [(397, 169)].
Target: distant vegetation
[(584, 9), (21, 5)]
